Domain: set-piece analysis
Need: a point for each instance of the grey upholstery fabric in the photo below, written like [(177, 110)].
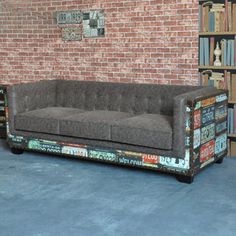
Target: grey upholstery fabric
[(93, 124), (131, 98), (150, 130), (43, 120), (32, 96)]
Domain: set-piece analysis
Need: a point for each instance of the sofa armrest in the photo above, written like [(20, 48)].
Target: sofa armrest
[(30, 96), (180, 114)]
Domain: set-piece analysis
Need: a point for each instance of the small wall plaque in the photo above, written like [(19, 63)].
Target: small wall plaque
[(69, 17), (94, 24), (72, 34)]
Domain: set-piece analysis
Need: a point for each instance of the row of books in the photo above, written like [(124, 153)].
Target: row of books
[(226, 80), (217, 17), (232, 120), (207, 47)]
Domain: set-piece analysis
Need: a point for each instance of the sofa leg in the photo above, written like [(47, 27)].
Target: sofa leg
[(17, 151), (219, 161), (185, 179)]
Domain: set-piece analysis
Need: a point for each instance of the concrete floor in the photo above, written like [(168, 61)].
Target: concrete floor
[(43, 195)]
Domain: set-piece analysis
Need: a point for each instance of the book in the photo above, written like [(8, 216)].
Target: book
[(206, 52), (229, 84), (233, 149), (232, 53), (212, 47), (228, 53), (205, 15), (231, 120), (226, 16), (223, 44), (234, 16), (217, 21), (235, 50), (233, 87), (206, 18), (217, 80), (201, 58), (199, 18), (204, 78), (230, 16), (234, 131), (211, 21)]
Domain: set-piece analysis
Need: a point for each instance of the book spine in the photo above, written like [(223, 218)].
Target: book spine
[(232, 120), (211, 21), (234, 131), (217, 21), (232, 53), (206, 51), (212, 46), (225, 80), (206, 18), (230, 16), (228, 121), (203, 20), (225, 52), (201, 62), (226, 16), (229, 84), (199, 18), (205, 79), (235, 50), (234, 16), (228, 52)]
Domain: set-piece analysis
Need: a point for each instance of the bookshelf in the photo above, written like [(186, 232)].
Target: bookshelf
[(217, 54)]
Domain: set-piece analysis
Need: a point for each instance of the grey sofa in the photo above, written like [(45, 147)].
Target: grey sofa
[(133, 121)]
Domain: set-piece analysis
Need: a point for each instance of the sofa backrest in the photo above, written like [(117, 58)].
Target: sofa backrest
[(132, 98)]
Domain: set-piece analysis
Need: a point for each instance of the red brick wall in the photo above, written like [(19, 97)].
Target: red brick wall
[(146, 41)]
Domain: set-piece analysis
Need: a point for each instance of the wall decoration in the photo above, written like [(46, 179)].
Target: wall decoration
[(69, 17), (72, 34), (94, 24)]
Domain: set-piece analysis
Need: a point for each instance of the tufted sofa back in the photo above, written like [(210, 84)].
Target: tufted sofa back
[(132, 98)]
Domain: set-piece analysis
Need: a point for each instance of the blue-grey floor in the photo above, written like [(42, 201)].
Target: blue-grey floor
[(44, 195)]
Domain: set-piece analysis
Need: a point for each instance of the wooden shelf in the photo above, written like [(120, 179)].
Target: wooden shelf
[(216, 33), (217, 67), (231, 102), (232, 135)]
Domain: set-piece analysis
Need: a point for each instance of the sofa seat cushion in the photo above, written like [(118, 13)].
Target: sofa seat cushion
[(150, 130), (45, 120), (91, 124)]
